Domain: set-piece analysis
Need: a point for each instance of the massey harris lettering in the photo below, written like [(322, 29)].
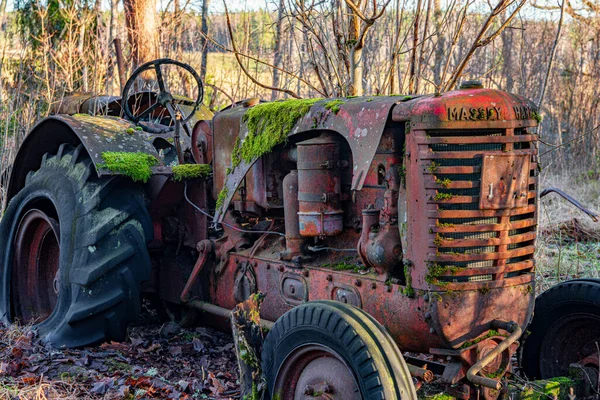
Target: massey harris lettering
[(474, 114), (524, 112)]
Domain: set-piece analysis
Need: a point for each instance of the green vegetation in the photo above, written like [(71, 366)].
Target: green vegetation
[(536, 115), (435, 271), (137, 166), (556, 388), (334, 105), (442, 196), (408, 291), (489, 334), (344, 265), (221, 197), (190, 171), (443, 182), (432, 167), (269, 125)]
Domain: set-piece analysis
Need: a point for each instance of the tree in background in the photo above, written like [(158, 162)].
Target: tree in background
[(142, 30)]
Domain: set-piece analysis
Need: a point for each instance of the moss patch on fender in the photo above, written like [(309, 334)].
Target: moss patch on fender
[(334, 105), (190, 171), (137, 166), (268, 126)]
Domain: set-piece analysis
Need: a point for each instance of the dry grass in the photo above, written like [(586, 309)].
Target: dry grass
[(569, 242)]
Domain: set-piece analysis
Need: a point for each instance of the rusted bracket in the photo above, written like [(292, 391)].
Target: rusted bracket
[(571, 200), (515, 333), (205, 247)]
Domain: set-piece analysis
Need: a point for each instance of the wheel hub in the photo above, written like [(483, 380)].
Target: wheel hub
[(316, 372), (34, 276)]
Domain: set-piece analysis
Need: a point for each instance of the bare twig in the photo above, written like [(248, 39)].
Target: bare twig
[(243, 67)]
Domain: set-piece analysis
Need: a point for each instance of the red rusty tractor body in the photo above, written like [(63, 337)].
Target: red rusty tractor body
[(420, 210)]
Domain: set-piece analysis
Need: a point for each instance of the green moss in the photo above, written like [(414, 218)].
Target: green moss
[(435, 271), (406, 98), (432, 167), (221, 197), (489, 334), (443, 182), (130, 131), (408, 291), (444, 225), (334, 105), (190, 171), (370, 99), (555, 388), (438, 240), (442, 396), (442, 196), (536, 115), (254, 395), (137, 166), (269, 125), (344, 266)]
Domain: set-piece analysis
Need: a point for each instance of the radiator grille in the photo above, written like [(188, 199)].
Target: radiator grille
[(468, 244)]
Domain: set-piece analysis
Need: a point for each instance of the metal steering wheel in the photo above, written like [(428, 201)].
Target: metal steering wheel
[(164, 97)]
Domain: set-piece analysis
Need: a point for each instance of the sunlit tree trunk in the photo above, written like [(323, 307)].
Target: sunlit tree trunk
[(142, 30), (355, 54), (278, 47), (204, 29)]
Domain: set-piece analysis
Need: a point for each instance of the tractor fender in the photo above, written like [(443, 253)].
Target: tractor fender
[(97, 134)]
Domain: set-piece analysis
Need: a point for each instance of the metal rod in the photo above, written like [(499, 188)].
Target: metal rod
[(120, 65), (571, 200), (176, 137), (223, 312), (472, 376), (421, 373)]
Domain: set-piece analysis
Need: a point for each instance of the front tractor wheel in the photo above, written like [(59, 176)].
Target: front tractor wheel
[(330, 350), (73, 252)]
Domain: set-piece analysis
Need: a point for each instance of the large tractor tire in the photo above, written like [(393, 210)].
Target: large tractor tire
[(565, 329), (327, 349), (73, 252)]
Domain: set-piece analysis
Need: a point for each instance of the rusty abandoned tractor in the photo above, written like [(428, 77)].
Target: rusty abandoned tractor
[(372, 225)]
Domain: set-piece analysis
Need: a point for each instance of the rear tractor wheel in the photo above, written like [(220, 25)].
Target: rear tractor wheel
[(330, 350), (565, 330), (73, 252)]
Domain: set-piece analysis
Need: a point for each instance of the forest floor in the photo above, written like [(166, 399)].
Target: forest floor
[(157, 361)]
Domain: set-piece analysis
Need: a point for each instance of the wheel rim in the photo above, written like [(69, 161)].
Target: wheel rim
[(34, 276), (315, 372), (569, 340)]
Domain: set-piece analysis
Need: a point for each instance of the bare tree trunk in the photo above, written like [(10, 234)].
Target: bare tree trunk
[(278, 47), (142, 30), (552, 54), (204, 29), (2, 10), (80, 41), (413, 54), (440, 45), (355, 73)]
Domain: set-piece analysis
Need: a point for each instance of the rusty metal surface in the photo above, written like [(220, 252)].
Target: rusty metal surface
[(315, 371), (319, 187), (359, 121), (504, 181), (34, 274)]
